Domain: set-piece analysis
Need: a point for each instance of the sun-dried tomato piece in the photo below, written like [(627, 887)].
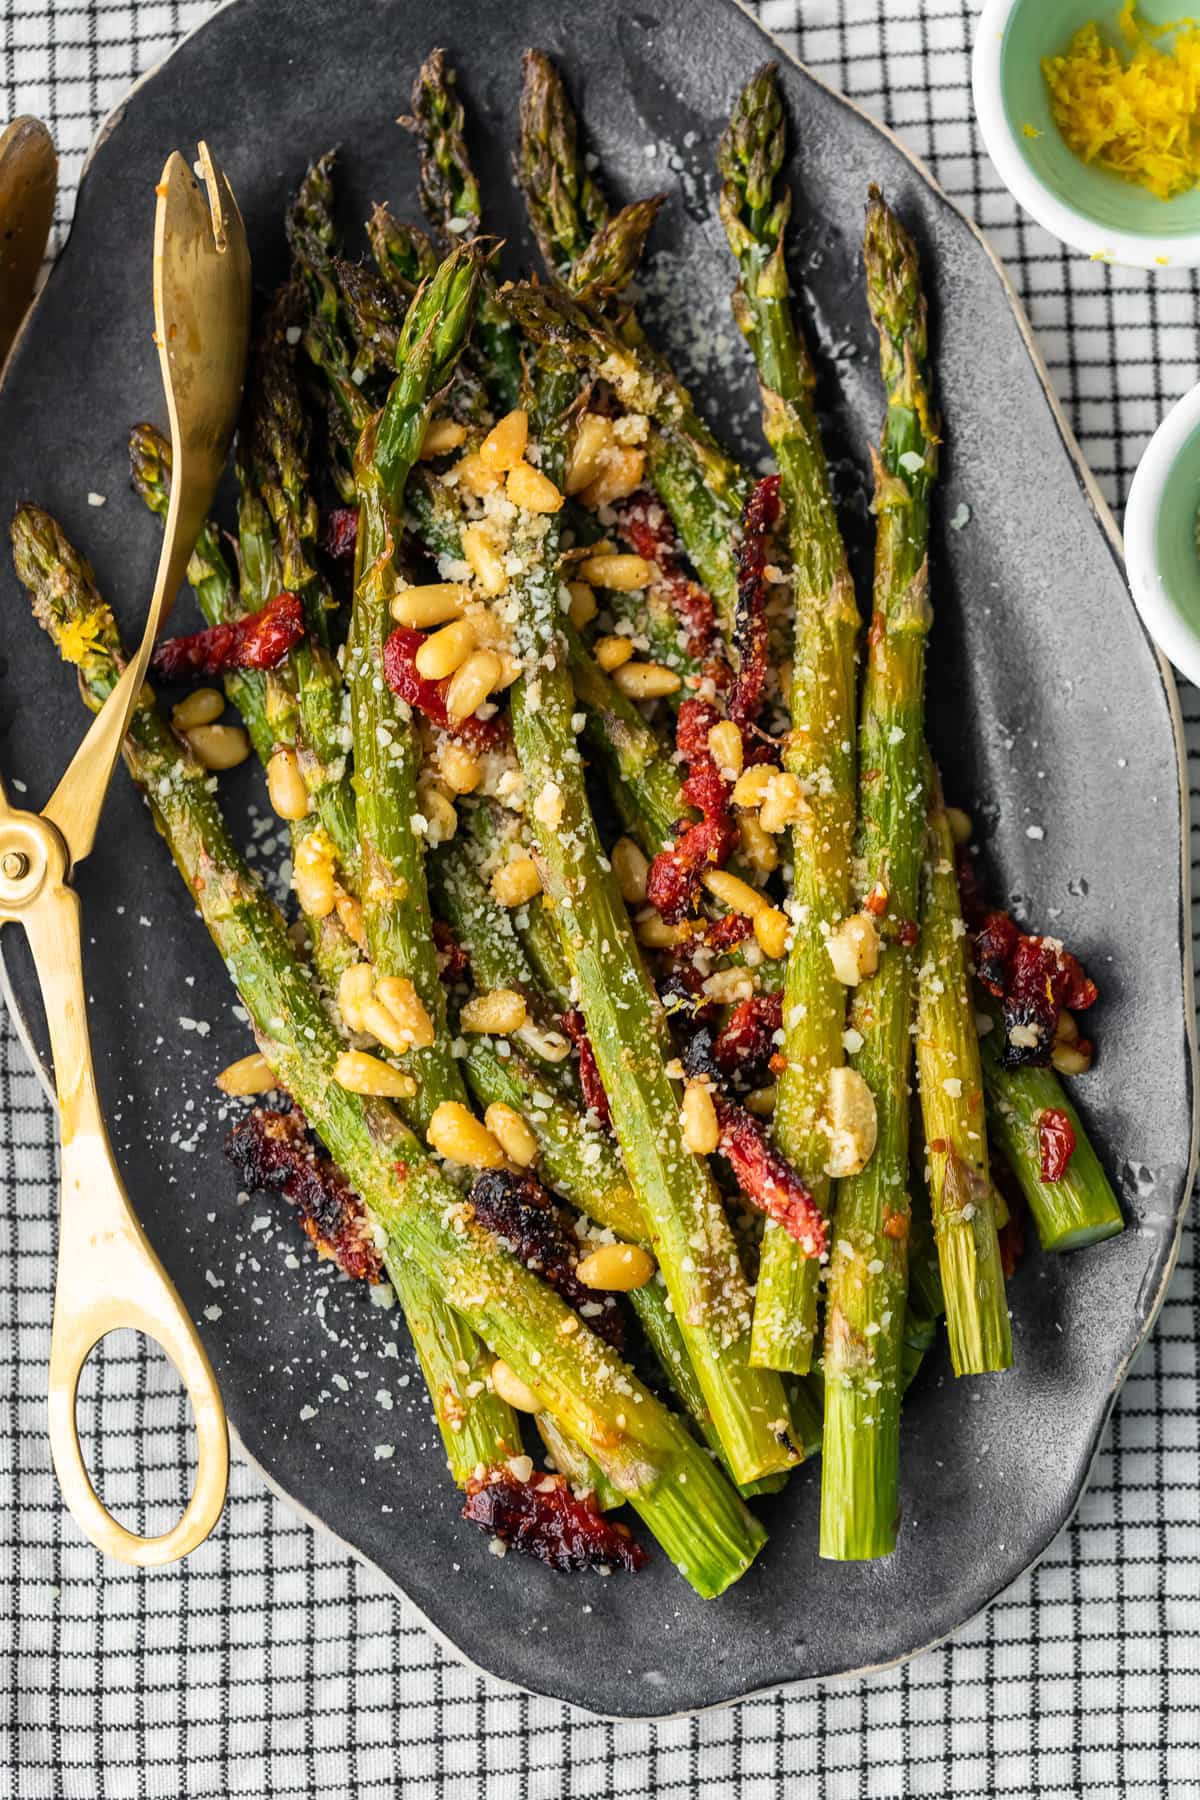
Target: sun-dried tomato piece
[(429, 697), (746, 1043), (1056, 1142), (543, 1518), (750, 622), (644, 524), (271, 1152), (594, 1096), (674, 876), (767, 1179), (1034, 978), (516, 1207), (259, 640), (338, 536), (727, 932)]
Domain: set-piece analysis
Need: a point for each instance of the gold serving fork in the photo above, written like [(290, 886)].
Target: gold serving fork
[(108, 1276)]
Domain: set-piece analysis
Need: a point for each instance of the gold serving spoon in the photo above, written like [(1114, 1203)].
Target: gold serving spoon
[(108, 1276), (28, 183)]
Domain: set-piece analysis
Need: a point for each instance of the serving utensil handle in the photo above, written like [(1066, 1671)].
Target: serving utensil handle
[(108, 1275)]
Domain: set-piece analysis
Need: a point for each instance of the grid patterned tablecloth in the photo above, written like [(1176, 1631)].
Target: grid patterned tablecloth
[(271, 1663)]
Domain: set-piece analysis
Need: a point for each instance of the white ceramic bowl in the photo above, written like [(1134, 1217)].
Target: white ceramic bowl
[(1161, 556), (1088, 208)]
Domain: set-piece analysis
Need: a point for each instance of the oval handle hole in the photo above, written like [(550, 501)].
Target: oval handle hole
[(136, 1432)]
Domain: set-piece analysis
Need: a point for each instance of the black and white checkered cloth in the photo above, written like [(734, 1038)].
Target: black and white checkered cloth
[(271, 1664)]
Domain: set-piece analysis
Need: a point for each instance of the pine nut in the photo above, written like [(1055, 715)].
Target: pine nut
[(701, 1132), (771, 931), (751, 788), (631, 870), (500, 1012), (854, 949), (379, 1023), (593, 438), (356, 989), (960, 824), (359, 1073), (761, 1101), (504, 445), (726, 749), (252, 1075), (1066, 1031), (442, 435), (446, 650), (853, 1123), (646, 681), (458, 768), (455, 1133), (471, 684), (350, 912), (611, 652), (583, 604), (1069, 1059), (487, 565), (619, 572), (313, 864), (654, 932), (472, 473), (619, 476), (434, 604), (511, 1388), (529, 489), (784, 803), (200, 707), (285, 786), (406, 1007), (516, 882), (219, 746), (734, 893), (757, 846), (510, 668), (616, 1268), (437, 809), (512, 1134)]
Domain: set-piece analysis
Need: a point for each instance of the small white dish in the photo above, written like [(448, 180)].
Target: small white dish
[(1109, 219), (1161, 556)]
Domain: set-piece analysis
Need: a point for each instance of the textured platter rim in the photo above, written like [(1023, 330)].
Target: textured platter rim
[(1148, 1312)]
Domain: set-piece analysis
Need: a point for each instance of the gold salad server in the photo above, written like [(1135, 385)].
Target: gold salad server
[(108, 1275), (28, 183)]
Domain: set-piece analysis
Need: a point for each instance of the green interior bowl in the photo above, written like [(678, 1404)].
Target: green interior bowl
[(1175, 533), (1041, 28)]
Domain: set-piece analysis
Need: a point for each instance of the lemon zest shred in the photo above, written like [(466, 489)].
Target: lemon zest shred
[(1137, 117), (81, 637)]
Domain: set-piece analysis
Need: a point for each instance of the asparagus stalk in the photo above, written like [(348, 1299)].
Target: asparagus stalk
[(755, 204), (565, 204), (692, 1238), (387, 749), (642, 1450), (403, 255), (451, 201), (1078, 1209), (951, 1079), (277, 434), (866, 1319)]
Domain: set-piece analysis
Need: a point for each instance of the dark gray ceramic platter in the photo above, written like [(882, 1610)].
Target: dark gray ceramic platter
[(1050, 713)]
